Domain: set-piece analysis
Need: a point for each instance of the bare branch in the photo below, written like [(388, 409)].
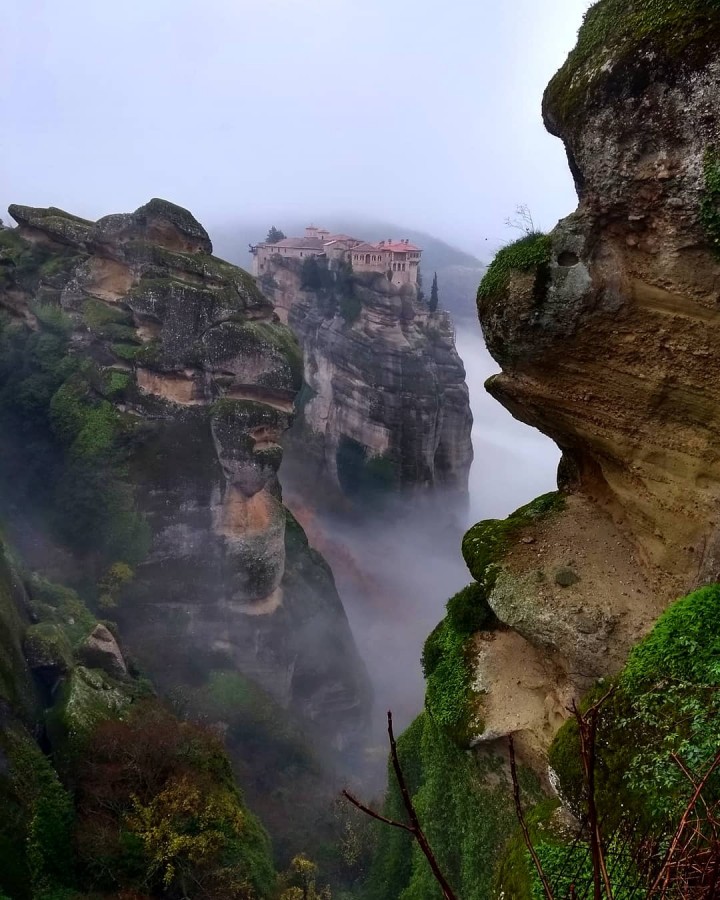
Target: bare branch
[(587, 726), (414, 827), (376, 815), (665, 868), (523, 220), (414, 821), (523, 824)]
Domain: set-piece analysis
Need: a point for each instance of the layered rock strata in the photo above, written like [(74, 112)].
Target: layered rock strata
[(606, 333), (385, 405), (184, 362)]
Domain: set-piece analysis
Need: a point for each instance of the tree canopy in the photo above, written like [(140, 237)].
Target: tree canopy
[(274, 235)]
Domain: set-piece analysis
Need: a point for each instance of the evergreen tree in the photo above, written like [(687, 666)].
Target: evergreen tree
[(434, 298), (420, 291), (274, 235)]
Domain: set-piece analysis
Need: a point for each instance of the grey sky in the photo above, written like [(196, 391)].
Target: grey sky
[(423, 113)]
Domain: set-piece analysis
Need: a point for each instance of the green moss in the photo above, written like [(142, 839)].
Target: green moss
[(47, 646), (710, 201), (109, 321), (53, 318), (58, 605), (527, 253), (16, 686), (465, 806), (617, 30), (485, 543), (128, 352), (116, 382), (447, 662), (39, 811)]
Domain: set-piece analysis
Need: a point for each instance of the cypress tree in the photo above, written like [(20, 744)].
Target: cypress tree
[(434, 298)]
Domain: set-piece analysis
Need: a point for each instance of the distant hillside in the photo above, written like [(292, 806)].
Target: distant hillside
[(459, 273)]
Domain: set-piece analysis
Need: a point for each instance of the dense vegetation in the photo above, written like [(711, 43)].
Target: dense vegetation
[(447, 662), (465, 805), (59, 429)]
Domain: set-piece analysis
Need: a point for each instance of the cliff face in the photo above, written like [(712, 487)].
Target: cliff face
[(606, 333), (385, 404), (172, 384)]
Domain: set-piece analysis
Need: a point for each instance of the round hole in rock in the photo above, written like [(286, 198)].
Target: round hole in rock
[(567, 259)]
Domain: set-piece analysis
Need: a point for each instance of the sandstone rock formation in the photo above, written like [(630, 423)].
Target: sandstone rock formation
[(385, 405), (180, 382), (606, 335)]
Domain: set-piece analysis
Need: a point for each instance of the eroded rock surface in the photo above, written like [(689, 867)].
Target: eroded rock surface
[(608, 344), (189, 377), (385, 404)]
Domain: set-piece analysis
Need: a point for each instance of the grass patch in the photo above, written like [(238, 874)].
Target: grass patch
[(527, 253)]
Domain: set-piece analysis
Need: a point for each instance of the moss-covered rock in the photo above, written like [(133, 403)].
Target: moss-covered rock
[(667, 700), (47, 649), (58, 224), (485, 544), (617, 34), (447, 662), (88, 697), (529, 253)]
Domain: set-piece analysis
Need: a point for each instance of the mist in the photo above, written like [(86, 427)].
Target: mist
[(395, 573), (407, 111)]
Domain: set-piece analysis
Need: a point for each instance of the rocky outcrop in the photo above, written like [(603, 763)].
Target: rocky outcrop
[(179, 383), (385, 405), (606, 332)]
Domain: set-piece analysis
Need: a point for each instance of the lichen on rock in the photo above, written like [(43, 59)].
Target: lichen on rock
[(168, 388)]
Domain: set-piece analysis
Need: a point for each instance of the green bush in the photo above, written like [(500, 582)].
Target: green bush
[(468, 610), (529, 252)]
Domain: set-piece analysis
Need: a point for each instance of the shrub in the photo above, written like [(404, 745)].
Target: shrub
[(529, 252), (158, 806)]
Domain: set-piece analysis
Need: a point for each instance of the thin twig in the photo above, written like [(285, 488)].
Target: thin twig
[(414, 827), (376, 815), (664, 869), (448, 892), (587, 725), (523, 824)]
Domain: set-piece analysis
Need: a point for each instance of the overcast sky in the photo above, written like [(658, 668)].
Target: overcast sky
[(423, 113)]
